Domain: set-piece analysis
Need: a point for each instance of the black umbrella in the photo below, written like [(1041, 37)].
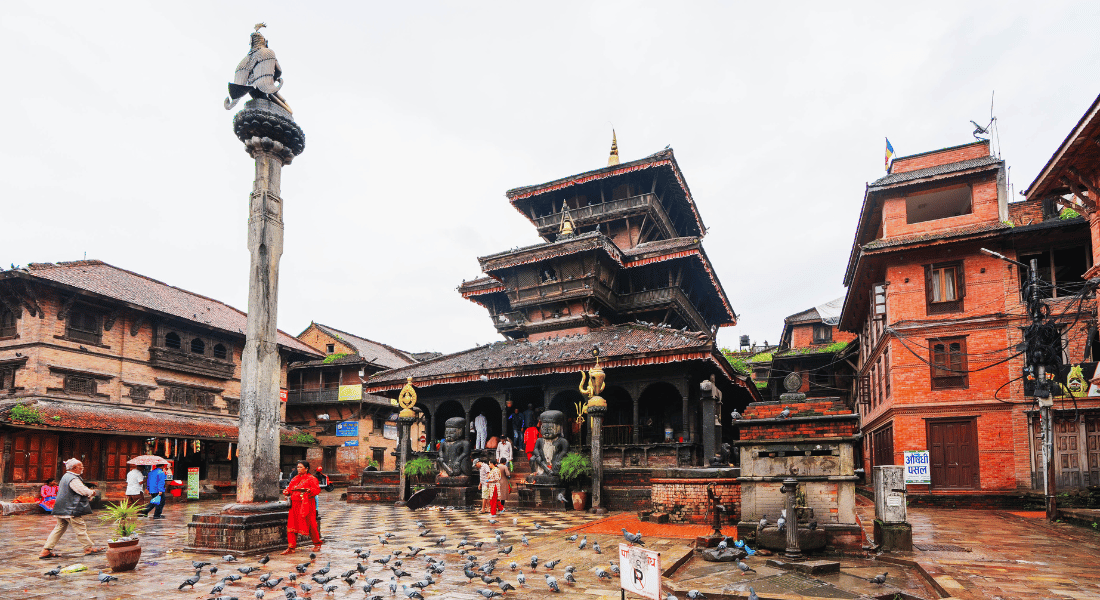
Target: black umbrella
[(422, 498)]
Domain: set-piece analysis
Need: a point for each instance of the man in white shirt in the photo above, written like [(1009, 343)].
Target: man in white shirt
[(481, 426), (133, 485), (504, 451)]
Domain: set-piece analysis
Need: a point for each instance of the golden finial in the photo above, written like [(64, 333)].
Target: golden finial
[(614, 158), (407, 399), (567, 226), (592, 385)]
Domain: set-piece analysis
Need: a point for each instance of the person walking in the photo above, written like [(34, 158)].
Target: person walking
[(491, 495), (69, 508), (302, 490), (504, 487), (483, 483), (504, 452), (481, 426), (515, 421), (134, 478), (155, 485), (530, 436)]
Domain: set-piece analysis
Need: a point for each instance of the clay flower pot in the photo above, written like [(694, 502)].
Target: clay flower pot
[(580, 499), (123, 555)]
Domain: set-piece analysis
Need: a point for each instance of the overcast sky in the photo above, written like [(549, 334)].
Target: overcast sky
[(419, 116)]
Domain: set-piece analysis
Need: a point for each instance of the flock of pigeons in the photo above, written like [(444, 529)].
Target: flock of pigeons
[(398, 560)]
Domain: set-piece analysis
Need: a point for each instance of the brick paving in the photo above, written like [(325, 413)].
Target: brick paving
[(1011, 556)]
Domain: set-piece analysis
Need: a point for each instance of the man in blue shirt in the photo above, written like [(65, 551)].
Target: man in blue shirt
[(155, 484)]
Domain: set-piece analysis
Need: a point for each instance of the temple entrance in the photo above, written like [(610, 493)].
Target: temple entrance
[(618, 425), (446, 410), (660, 407), (566, 402), (492, 411)]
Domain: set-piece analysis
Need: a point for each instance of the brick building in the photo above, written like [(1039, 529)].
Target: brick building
[(939, 321), (104, 364), (325, 398), (814, 347)]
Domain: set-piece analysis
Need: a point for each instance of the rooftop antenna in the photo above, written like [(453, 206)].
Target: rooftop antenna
[(984, 132)]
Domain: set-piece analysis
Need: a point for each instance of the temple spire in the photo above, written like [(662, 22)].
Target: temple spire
[(613, 159), (567, 226)]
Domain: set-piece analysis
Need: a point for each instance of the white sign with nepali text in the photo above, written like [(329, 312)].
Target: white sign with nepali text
[(917, 468), (640, 571)]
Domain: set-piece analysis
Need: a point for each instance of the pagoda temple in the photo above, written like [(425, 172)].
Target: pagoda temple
[(621, 269)]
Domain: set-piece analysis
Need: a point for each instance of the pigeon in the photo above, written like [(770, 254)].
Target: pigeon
[(57, 573), (292, 577), (301, 568), (735, 416), (213, 570), (470, 574), (440, 541), (781, 523), (614, 568), (360, 568), (492, 521), (398, 572), (382, 561), (505, 550), (669, 596), (489, 593), (524, 540), (571, 538), (414, 550), (393, 586), (231, 578), (813, 525), (489, 580), (763, 522), (553, 583), (191, 581), (199, 565), (633, 538), (583, 544), (512, 566), (569, 577), (722, 545), (536, 525), (695, 594), (106, 578), (602, 574), (350, 580), (382, 540), (786, 414), (879, 579), (424, 533), (331, 588), (596, 547), (324, 570), (246, 570), (265, 576), (272, 584), (423, 583), (411, 593), (570, 568), (259, 595), (521, 578), (420, 525), (535, 562), (550, 565), (263, 561), (745, 568), (323, 580), (498, 531), (312, 556), (447, 522), (752, 594), (229, 558), (218, 588), (389, 535), (478, 545)]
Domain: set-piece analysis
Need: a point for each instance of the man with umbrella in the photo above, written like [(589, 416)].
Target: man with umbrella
[(155, 485)]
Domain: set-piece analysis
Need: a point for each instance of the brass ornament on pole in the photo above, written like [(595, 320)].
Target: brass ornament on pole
[(592, 385), (407, 399)]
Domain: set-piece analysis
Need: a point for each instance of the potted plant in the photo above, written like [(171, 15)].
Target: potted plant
[(576, 472), (419, 469), (124, 551)]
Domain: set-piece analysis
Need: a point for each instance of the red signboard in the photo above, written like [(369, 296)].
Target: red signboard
[(282, 394)]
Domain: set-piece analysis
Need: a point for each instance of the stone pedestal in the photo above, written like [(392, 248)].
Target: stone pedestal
[(543, 497), (894, 537), (245, 529), (374, 486), (460, 490)]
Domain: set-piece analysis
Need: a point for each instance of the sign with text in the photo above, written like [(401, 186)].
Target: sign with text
[(282, 394), (640, 571), (347, 429), (351, 443), (192, 483), (917, 471), (352, 393)]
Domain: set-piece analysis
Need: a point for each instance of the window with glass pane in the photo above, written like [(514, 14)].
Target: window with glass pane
[(943, 285), (83, 326), (948, 368)]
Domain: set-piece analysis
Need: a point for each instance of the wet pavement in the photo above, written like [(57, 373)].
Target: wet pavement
[(969, 554)]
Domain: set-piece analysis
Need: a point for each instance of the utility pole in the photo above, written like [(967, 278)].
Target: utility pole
[(1036, 362)]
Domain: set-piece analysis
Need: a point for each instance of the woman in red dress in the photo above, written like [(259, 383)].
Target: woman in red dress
[(303, 511)]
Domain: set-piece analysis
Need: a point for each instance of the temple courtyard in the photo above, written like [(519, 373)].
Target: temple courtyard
[(967, 554)]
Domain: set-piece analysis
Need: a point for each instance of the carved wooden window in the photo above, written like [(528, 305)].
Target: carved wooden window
[(878, 300), (330, 348), (220, 352), (822, 333), (948, 366), (886, 370), (188, 397), (139, 394), (7, 377), (944, 287), (198, 346), (83, 326), (7, 323), (378, 423), (80, 384), (172, 340), (233, 405)]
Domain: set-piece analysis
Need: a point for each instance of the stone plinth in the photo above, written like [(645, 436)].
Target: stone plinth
[(467, 495), (239, 529), (894, 537), (375, 486), (543, 497)]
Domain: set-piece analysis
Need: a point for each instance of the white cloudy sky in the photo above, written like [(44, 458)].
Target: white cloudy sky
[(419, 116)]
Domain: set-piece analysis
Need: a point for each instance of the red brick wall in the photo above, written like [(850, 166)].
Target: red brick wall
[(1025, 213), (943, 157), (802, 336), (686, 500), (984, 209)]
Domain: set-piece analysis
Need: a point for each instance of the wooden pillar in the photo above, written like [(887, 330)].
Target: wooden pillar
[(637, 433), (5, 457)]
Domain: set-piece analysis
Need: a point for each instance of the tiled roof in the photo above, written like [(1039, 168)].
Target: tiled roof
[(372, 351), (945, 169), (593, 240), (902, 240), (70, 416), (620, 346), (660, 246), (126, 286)]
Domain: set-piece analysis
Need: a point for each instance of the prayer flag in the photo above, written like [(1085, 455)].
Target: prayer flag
[(889, 154)]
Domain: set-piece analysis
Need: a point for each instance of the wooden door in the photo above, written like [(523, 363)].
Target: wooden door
[(86, 450), (1037, 454), (34, 457), (953, 450), (1067, 454), (1092, 445)]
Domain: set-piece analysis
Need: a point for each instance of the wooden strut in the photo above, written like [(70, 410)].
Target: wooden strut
[(66, 306), (135, 327)]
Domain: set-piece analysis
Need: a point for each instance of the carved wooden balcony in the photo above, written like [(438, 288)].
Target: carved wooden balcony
[(187, 362), (509, 321), (645, 204), (554, 290), (661, 298), (322, 396)]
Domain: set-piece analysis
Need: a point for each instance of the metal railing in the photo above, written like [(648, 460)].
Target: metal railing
[(321, 396)]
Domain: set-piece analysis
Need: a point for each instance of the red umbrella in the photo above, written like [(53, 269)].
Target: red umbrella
[(147, 460)]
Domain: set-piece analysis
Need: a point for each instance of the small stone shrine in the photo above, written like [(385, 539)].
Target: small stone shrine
[(807, 448)]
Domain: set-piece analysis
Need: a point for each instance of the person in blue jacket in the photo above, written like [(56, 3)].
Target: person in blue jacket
[(155, 485)]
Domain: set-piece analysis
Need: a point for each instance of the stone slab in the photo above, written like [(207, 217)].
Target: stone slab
[(893, 537), (259, 529), (457, 496), (539, 497), (20, 508), (809, 567)]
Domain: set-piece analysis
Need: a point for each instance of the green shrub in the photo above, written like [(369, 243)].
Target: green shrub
[(575, 466), (26, 414), (420, 465)]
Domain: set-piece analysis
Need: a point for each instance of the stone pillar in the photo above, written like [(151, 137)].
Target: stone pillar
[(789, 489), (258, 470), (685, 427), (404, 425), (710, 448), (596, 413)]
